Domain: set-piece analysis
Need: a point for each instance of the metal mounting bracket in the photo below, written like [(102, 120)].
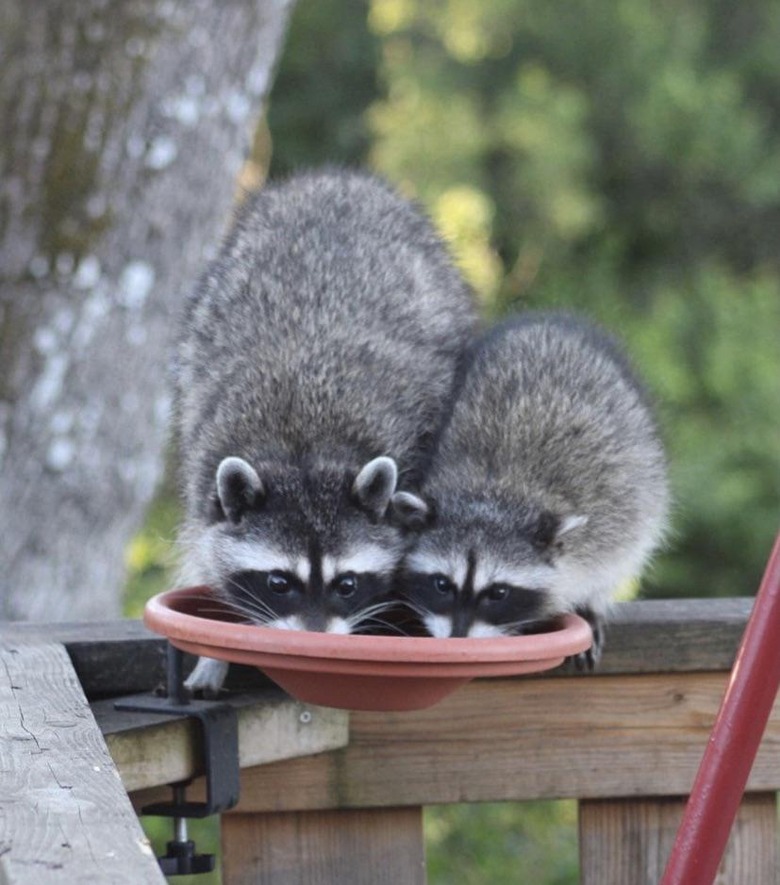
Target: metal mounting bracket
[(219, 728)]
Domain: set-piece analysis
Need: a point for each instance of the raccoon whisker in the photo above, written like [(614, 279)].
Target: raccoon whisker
[(213, 611), (518, 628), (369, 610), (379, 622), (253, 614), (232, 608), (254, 609), (369, 613), (418, 609), (232, 602), (250, 604), (258, 619)]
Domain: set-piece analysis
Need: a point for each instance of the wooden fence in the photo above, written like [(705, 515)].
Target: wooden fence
[(333, 797)]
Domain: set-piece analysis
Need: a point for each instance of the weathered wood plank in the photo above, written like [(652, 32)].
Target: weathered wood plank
[(64, 815), (110, 657), (114, 658), (74, 632), (674, 635), (518, 739), (121, 657), (627, 842), (383, 847), (150, 749)]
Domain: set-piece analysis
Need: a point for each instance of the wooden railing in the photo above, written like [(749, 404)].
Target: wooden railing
[(333, 797)]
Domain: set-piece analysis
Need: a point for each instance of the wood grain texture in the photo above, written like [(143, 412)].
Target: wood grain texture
[(64, 815), (627, 842), (518, 739), (381, 847), (674, 635), (150, 749)]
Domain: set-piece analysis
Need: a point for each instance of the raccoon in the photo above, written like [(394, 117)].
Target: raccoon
[(548, 489), (313, 365)]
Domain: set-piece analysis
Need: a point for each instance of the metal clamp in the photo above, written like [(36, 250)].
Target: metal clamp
[(219, 730), (219, 727)]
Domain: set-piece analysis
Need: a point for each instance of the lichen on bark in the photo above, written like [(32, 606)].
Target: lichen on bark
[(127, 126)]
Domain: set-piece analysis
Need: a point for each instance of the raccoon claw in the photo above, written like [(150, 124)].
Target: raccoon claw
[(587, 661), (207, 677)]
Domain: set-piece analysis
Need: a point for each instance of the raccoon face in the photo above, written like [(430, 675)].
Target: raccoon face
[(469, 593), (305, 550), (482, 582)]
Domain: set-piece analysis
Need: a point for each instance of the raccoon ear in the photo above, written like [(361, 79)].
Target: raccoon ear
[(375, 484), (239, 487), (410, 511), (550, 528)]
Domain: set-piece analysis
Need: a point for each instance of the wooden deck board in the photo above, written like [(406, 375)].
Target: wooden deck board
[(518, 739), (64, 813)]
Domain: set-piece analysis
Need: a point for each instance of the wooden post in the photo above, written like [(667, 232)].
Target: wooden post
[(627, 841), (380, 846)]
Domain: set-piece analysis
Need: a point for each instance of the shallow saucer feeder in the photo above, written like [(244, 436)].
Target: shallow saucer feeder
[(357, 672)]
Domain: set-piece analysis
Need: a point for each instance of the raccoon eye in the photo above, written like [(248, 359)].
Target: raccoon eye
[(279, 583), (497, 593), (346, 584), (443, 584)]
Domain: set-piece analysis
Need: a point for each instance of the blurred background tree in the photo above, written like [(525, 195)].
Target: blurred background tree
[(622, 160)]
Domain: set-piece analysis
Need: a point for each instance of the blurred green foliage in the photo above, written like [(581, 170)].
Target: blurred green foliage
[(500, 843), (204, 833), (620, 159), (150, 556), (329, 74)]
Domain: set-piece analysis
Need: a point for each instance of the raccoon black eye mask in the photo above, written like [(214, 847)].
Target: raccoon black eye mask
[(469, 592), (447, 609), (548, 489), (283, 600)]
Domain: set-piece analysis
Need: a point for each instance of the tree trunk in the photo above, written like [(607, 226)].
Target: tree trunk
[(125, 125)]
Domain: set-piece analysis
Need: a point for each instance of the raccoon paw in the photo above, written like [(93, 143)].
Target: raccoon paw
[(587, 661), (207, 677)]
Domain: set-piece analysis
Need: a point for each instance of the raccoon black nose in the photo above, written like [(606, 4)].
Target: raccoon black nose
[(315, 622), (460, 628)]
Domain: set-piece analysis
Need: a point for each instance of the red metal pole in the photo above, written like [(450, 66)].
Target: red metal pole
[(736, 735)]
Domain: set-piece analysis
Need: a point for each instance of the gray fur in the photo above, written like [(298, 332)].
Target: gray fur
[(316, 355), (549, 476)]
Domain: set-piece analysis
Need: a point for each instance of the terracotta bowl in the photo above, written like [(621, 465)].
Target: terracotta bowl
[(356, 672)]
